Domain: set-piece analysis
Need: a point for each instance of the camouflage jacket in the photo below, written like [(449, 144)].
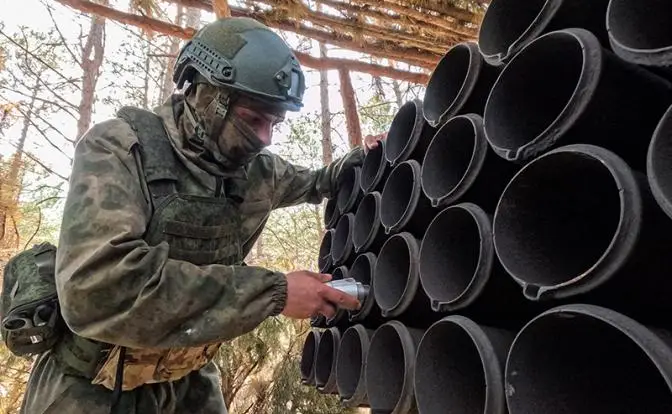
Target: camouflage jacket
[(117, 289)]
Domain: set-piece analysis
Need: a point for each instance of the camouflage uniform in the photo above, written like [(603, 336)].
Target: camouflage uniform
[(169, 296)]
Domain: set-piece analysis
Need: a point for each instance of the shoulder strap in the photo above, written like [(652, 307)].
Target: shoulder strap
[(159, 161)]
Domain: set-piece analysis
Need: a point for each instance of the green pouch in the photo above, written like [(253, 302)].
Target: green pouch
[(29, 311)]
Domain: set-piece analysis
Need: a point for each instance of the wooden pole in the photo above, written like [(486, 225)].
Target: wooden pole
[(416, 56), (221, 8), (325, 113), (350, 106), (170, 29)]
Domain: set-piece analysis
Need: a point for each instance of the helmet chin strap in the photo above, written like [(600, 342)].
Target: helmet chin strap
[(201, 133), (222, 105)]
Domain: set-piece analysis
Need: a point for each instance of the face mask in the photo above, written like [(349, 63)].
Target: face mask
[(237, 141), (220, 135)]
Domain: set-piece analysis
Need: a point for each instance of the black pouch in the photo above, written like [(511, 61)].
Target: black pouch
[(29, 310)]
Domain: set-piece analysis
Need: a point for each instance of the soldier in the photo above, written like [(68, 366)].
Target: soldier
[(162, 208)]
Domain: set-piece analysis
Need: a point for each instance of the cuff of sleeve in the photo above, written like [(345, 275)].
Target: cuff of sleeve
[(279, 296), (357, 156)]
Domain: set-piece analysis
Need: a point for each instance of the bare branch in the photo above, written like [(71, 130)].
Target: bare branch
[(47, 101), (41, 164), (37, 228), (60, 34), (39, 59), (44, 135), (48, 199)]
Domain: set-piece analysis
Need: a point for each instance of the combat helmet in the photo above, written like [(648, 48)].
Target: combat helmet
[(244, 55)]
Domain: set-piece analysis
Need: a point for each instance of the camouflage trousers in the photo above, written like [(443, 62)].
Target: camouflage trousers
[(49, 390)]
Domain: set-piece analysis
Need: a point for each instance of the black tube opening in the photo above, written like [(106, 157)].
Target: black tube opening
[(397, 195), (639, 24), (660, 163), (341, 246), (449, 373), (505, 22), (447, 82), (392, 272), (361, 270), (331, 213), (579, 364), (367, 220), (448, 158), (373, 167), (348, 189), (450, 254), (324, 260), (308, 356), (325, 358), (557, 218), (349, 363), (533, 90), (385, 369), (401, 131), (340, 273)]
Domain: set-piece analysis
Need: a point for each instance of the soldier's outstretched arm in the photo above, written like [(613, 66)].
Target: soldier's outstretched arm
[(115, 288), (295, 184)]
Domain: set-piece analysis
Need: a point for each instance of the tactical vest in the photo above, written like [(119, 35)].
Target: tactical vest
[(200, 230)]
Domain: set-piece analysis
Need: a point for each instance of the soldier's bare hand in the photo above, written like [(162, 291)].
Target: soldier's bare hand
[(371, 141), (307, 296)]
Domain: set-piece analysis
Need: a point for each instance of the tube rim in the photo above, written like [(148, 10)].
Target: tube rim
[(412, 280), (655, 348), (328, 259), (375, 226), (474, 68), (407, 397), (486, 260), (622, 243), (355, 193), (380, 172), (416, 132), (495, 399), (309, 379), (360, 393), (367, 306), (534, 29), (591, 72), (659, 195), (416, 173), (330, 384), (659, 56), (347, 248), (331, 221), (476, 162)]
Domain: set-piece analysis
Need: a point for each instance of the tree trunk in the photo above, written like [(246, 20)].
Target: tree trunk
[(327, 153), (350, 106), (397, 93), (11, 187), (92, 60), (174, 48), (145, 86), (221, 8)]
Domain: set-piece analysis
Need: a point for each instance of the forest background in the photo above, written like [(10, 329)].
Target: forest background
[(62, 71)]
